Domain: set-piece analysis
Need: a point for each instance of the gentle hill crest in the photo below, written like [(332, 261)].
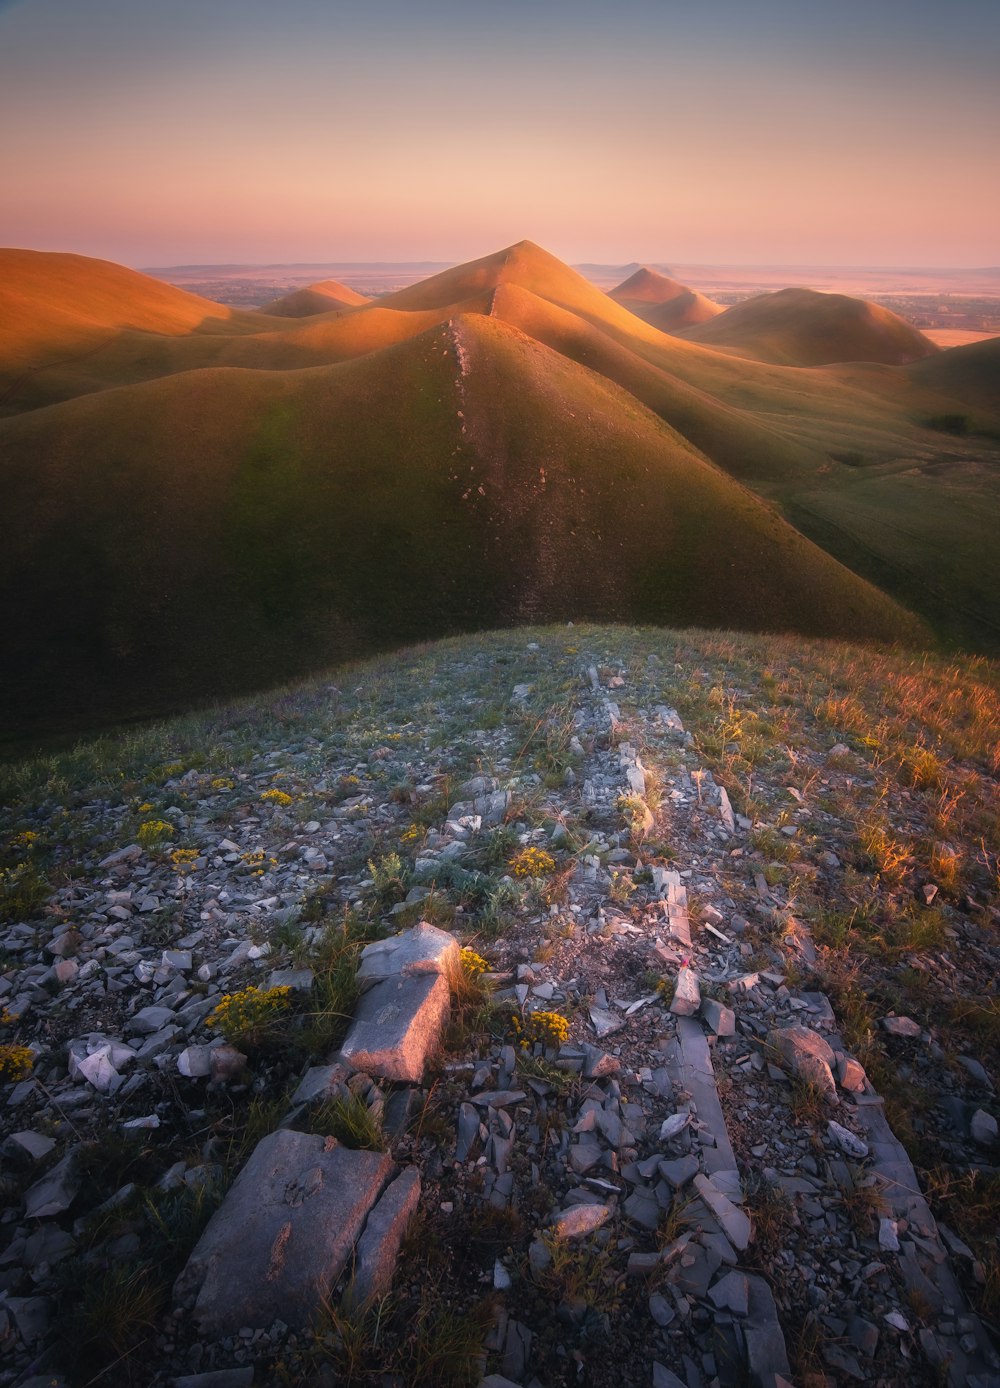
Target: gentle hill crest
[(664, 302), (324, 297), (803, 327)]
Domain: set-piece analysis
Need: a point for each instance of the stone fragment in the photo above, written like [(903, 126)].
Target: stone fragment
[(851, 1074), (605, 1022), (900, 1026), (976, 1071), (679, 1171), (765, 1345), (517, 1347), (150, 1019), (888, 1237), (578, 1221), (56, 1191), (687, 994), (217, 1378), (397, 1025), (731, 1293), (378, 1247), (735, 1224), (299, 980), (283, 1234), (719, 1018), (195, 1062), (674, 1125), (225, 1063), (98, 1070), (665, 1378), (30, 1144), (847, 1141), (660, 1310), (807, 1053), (983, 1127)]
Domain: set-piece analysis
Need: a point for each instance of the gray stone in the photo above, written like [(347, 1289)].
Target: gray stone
[(731, 1293), (976, 1071), (56, 1191), (517, 1347), (687, 994), (847, 1141), (31, 1144), (498, 1381), (225, 1063), (321, 1082), (423, 950), (983, 1127), (283, 1234), (150, 1019), (679, 1171), (735, 1224), (378, 1247), (398, 1025), (299, 980), (660, 1310), (665, 1378), (718, 1017), (765, 1344), (195, 1062), (605, 1022)]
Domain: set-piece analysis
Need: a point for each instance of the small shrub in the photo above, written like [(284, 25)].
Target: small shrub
[(532, 862), (154, 831), (183, 859), (15, 1063), (23, 890), (550, 1029), (245, 1017), (276, 797)]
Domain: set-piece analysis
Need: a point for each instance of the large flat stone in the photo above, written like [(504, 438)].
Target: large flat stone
[(807, 1053), (283, 1234), (423, 950), (767, 1357), (378, 1247), (397, 1026), (698, 1078)]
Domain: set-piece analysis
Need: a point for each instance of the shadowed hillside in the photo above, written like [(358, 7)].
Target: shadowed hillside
[(324, 297), (970, 374), (664, 302), (466, 478), (800, 327)]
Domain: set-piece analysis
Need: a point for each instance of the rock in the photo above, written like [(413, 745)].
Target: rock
[(807, 1053), (98, 1070), (847, 1141), (378, 1247), (765, 1344), (674, 1125), (605, 1022), (497, 1381), (225, 1063), (851, 1074), (983, 1127), (56, 1191), (660, 1310), (731, 1293), (517, 1347), (35, 1146), (150, 1019), (735, 1224), (976, 1071), (888, 1237), (423, 950), (665, 1378), (687, 994), (900, 1026), (397, 1025), (679, 1171), (283, 1234), (578, 1221), (299, 980), (195, 1062), (719, 1018)]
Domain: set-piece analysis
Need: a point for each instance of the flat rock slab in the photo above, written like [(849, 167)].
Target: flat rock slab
[(283, 1234), (767, 1358), (423, 950), (698, 1078), (735, 1224), (397, 1026), (375, 1257)]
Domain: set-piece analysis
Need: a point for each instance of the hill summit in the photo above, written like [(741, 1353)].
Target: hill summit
[(664, 302)]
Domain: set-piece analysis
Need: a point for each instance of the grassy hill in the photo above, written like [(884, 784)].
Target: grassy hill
[(800, 327), (664, 302), (467, 478), (202, 500), (324, 297)]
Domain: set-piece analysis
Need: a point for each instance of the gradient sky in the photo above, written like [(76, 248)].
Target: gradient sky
[(162, 132)]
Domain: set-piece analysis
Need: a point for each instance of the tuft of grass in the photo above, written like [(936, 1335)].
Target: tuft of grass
[(351, 1121), (113, 1318)]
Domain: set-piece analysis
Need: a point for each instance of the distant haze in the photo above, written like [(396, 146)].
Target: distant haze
[(649, 130)]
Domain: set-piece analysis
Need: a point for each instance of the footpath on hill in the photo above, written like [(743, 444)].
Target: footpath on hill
[(719, 956)]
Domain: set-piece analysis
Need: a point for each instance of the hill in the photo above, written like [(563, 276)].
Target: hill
[(968, 374), (801, 327), (467, 478), (324, 297), (664, 302)]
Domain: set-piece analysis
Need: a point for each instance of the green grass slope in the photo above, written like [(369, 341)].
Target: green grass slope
[(223, 529), (801, 327), (970, 375)]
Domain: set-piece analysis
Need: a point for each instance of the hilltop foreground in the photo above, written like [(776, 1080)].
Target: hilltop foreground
[(730, 908), (201, 501)]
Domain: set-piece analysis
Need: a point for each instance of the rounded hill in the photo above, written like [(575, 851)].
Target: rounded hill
[(326, 296), (802, 327)]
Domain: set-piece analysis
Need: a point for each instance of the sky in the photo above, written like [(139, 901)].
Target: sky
[(763, 132)]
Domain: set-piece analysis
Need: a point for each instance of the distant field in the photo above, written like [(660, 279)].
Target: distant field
[(955, 337)]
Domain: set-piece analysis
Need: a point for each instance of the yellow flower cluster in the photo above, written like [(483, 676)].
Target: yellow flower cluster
[(183, 858), (532, 862), (26, 839), (550, 1028), (222, 783), (244, 1015), (474, 964), (15, 1063), (153, 831), (410, 834), (276, 797)]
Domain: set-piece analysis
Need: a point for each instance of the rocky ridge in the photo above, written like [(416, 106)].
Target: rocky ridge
[(701, 1145)]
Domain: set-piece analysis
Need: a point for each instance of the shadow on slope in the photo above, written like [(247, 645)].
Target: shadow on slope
[(224, 529)]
